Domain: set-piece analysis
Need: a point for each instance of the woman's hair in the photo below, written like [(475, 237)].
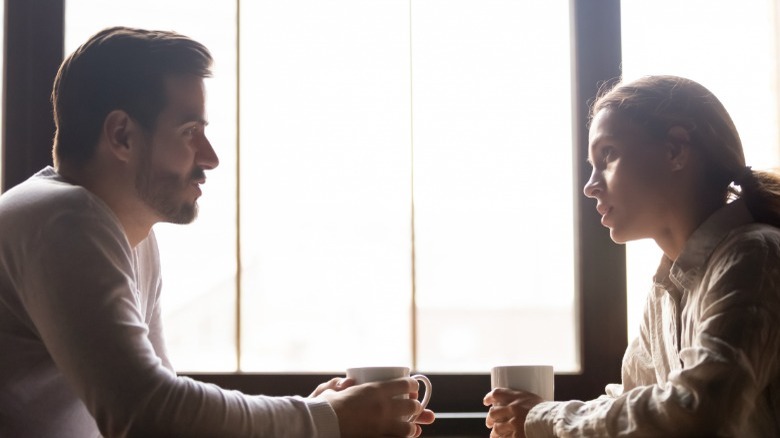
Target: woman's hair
[(118, 68), (659, 103)]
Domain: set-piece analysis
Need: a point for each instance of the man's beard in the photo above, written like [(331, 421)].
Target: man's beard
[(162, 190)]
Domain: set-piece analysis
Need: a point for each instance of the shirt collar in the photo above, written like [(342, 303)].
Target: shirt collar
[(687, 270)]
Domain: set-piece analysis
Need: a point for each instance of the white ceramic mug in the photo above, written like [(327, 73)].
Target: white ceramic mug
[(538, 379), (378, 374)]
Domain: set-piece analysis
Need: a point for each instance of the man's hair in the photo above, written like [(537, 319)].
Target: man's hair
[(118, 68)]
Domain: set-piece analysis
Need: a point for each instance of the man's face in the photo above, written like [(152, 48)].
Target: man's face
[(176, 154)]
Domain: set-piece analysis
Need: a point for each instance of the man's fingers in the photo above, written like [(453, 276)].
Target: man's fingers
[(402, 386), (334, 384), (322, 387), (404, 407), (345, 382), (401, 429), (426, 417)]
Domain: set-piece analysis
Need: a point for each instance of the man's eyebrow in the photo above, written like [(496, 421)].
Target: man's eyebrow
[(190, 118)]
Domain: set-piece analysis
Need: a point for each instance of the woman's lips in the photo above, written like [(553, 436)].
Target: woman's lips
[(604, 211)]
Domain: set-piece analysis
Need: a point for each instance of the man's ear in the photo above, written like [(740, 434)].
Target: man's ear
[(118, 130), (678, 147)]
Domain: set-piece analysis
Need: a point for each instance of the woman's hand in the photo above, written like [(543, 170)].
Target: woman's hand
[(508, 410)]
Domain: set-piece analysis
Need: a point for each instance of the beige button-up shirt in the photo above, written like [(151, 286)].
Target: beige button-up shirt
[(706, 359)]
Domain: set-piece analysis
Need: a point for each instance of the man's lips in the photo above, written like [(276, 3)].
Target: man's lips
[(196, 184)]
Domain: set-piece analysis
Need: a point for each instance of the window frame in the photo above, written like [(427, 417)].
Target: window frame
[(34, 41)]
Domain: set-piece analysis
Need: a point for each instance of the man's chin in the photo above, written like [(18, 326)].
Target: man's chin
[(186, 214)]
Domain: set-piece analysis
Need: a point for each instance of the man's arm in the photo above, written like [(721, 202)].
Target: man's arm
[(84, 303)]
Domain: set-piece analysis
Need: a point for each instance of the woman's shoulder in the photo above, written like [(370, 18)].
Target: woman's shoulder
[(754, 234), (753, 247)]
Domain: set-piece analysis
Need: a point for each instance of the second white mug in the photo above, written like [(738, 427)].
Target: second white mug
[(538, 379)]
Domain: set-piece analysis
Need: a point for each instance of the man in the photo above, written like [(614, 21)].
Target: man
[(82, 348)]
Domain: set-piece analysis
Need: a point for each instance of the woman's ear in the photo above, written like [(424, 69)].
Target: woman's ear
[(678, 147), (118, 128)]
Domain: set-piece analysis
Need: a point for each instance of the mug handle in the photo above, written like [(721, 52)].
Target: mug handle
[(428, 391)]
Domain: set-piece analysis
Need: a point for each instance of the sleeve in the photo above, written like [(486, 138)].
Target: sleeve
[(636, 368), (81, 295), (157, 338), (731, 360), (150, 262)]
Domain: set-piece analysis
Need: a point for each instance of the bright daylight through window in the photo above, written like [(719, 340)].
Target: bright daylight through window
[(393, 202)]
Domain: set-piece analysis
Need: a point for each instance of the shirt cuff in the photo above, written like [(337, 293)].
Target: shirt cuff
[(324, 417), (540, 420)]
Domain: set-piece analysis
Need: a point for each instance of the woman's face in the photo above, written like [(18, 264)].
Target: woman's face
[(630, 178)]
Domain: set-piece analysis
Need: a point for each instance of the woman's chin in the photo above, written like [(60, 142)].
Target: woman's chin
[(618, 237)]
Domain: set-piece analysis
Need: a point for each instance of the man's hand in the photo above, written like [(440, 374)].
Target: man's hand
[(334, 384), (508, 411), (372, 409)]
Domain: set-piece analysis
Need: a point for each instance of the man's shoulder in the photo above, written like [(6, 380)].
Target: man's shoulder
[(44, 207), (44, 195)]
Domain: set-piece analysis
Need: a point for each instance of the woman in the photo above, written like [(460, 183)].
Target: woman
[(668, 165)]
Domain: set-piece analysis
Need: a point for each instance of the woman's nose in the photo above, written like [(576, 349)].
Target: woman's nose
[(593, 186)]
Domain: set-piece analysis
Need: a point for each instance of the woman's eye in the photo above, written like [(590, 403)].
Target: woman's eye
[(607, 154)]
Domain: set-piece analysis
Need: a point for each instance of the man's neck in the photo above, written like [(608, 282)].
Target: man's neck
[(119, 197)]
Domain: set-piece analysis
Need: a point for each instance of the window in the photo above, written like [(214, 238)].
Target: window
[(393, 185), (2, 69), (390, 152), (201, 285), (730, 47)]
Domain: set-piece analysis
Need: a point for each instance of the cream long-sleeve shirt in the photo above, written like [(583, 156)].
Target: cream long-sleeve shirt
[(706, 360), (81, 344)]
